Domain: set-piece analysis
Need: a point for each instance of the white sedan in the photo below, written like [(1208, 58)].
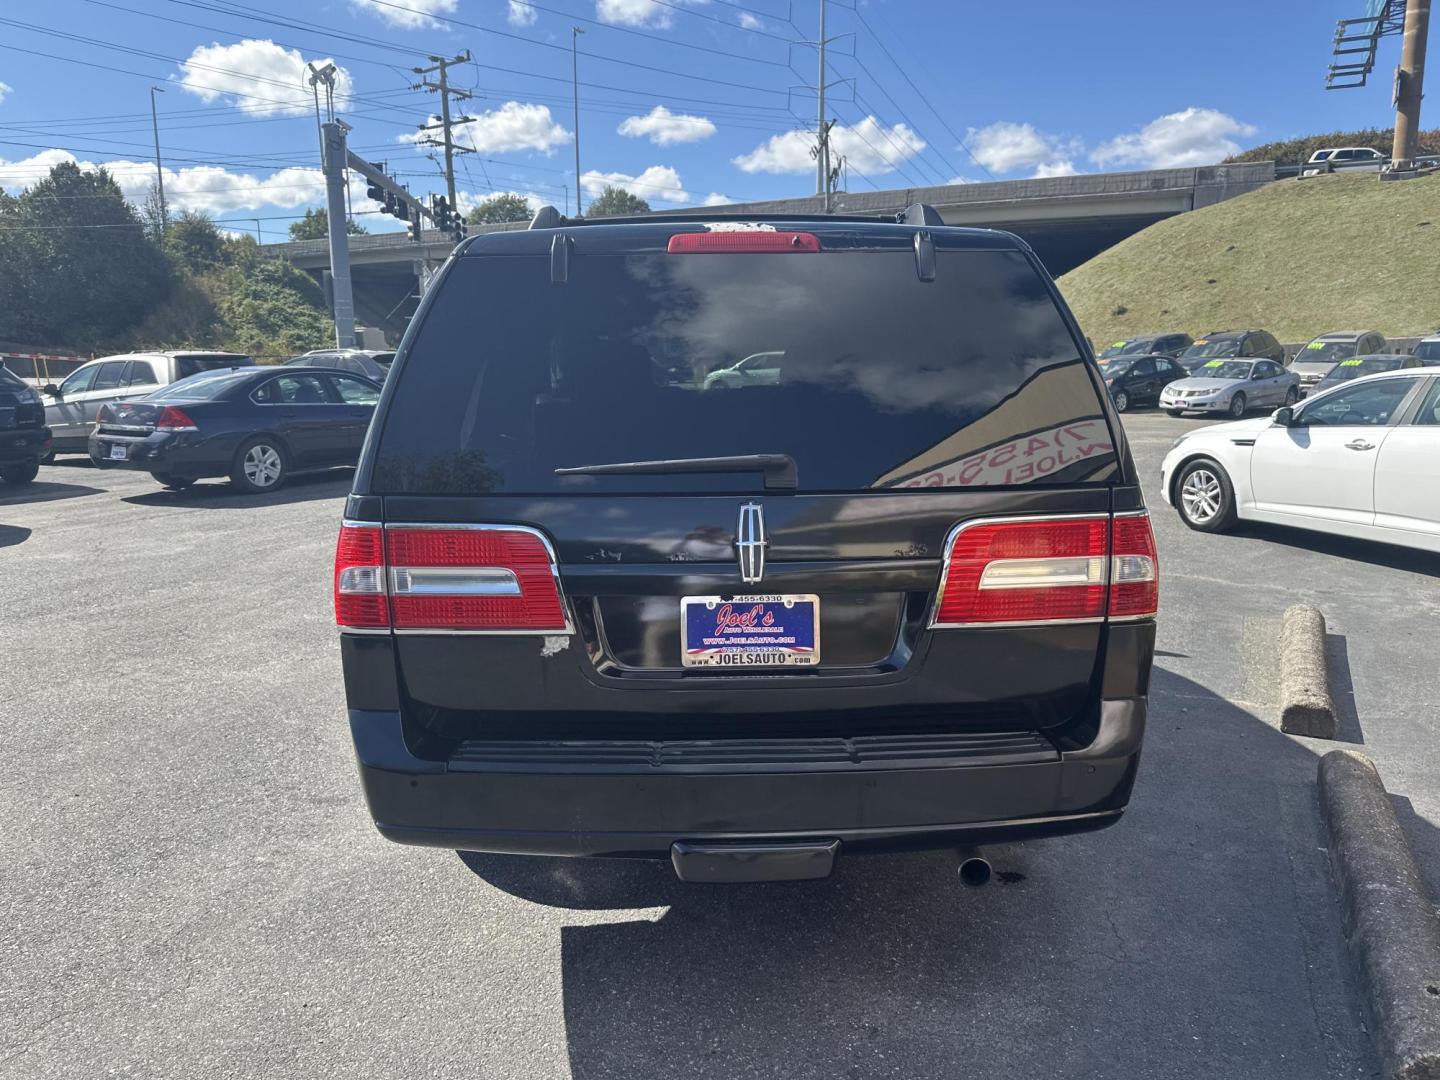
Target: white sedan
[(1360, 460)]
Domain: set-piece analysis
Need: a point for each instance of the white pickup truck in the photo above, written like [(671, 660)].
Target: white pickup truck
[(70, 408)]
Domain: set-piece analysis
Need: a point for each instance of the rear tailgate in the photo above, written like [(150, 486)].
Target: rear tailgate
[(911, 405)]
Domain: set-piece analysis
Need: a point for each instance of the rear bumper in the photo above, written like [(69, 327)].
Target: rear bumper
[(633, 807), (23, 445), (183, 453)]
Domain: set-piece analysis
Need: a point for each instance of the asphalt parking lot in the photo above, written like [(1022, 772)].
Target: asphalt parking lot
[(190, 886)]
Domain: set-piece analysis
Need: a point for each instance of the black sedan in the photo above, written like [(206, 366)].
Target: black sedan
[(1138, 380), (255, 425)]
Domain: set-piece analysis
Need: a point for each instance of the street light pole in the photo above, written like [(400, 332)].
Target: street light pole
[(159, 174), (575, 33)]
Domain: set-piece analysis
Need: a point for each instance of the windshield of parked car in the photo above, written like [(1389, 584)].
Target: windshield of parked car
[(1362, 365), (1219, 345), (864, 374), (1223, 369), (1323, 351), (1129, 347), (1427, 351), (1115, 368), (206, 386)]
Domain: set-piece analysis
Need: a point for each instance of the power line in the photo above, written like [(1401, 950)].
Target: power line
[(919, 93)]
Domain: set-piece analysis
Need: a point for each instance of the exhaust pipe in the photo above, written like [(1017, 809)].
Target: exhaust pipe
[(974, 868)]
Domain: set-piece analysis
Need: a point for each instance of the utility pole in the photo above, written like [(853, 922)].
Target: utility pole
[(575, 33), (159, 174), (333, 134), (443, 87), (822, 157), (1409, 83)]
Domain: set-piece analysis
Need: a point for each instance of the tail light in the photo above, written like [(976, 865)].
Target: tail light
[(480, 579), (1025, 571), (173, 419), (1134, 568), (739, 242)]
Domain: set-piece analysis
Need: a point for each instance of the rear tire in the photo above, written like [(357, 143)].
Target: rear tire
[(48, 459), (1292, 395), (20, 474), (1237, 406), (1204, 497), (174, 483), (260, 466), (1122, 401)]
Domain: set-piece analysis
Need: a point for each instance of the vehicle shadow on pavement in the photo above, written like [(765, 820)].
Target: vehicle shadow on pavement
[(222, 495), (1200, 937), (1344, 547), (10, 535), (43, 491)]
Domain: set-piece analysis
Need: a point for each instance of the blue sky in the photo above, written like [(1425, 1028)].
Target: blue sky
[(682, 101)]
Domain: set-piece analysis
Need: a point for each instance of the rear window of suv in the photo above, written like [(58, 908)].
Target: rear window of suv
[(845, 360)]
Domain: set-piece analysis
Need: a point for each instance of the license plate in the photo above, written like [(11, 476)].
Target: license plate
[(119, 451), (750, 631), (7, 417)]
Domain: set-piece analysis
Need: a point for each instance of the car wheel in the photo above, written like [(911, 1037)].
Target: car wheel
[(48, 459), (174, 483), (1292, 395), (1237, 406), (1175, 412), (1122, 401), (1204, 498), (259, 466), (20, 474)]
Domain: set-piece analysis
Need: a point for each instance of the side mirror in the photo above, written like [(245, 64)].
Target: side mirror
[(1284, 416), (51, 389)]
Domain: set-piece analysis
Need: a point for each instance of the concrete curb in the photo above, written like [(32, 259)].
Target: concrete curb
[(1392, 929), (1305, 704)]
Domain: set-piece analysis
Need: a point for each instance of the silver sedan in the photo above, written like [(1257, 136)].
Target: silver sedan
[(1232, 387)]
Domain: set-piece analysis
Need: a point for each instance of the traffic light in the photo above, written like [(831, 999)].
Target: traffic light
[(415, 226), (375, 191)]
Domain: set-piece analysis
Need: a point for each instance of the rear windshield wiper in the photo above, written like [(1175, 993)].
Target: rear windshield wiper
[(779, 469)]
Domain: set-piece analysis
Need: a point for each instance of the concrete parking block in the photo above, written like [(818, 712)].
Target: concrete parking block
[(1306, 707), (1392, 929)]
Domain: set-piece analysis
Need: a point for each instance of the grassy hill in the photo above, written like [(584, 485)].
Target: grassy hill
[(1297, 257)]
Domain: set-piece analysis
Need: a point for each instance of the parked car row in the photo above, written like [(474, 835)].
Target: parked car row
[(1233, 371)]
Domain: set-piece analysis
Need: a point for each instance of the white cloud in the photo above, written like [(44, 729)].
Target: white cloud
[(1192, 136), (662, 127), (516, 125), (206, 188), (5, 90), (408, 14), (1062, 167), (638, 12), (716, 199), (518, 14), (468, 200), (1005, 146), (870, 147), (254, 74), (749, 22), (657, 182), (961, 180)]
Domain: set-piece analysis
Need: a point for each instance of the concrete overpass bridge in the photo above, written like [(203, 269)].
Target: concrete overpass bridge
[(1066, 219)]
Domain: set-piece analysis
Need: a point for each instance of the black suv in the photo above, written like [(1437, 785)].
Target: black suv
[(890, 586), (1223, 344), (24, 438)]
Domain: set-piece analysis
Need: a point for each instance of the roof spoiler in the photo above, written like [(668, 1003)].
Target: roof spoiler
[(547, 217)]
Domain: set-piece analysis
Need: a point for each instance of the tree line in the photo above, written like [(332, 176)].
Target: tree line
[(82, 268)]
